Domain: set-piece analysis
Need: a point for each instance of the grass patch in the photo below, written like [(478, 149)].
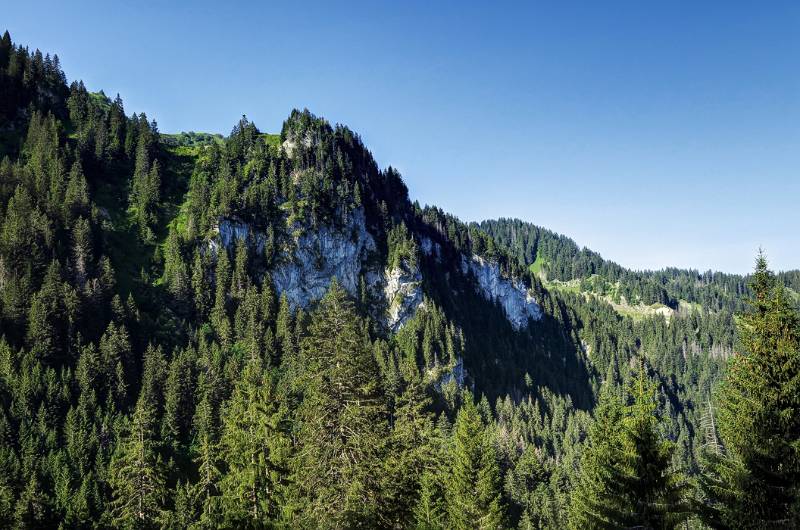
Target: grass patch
[(190, 139), (601, 289), (179, 164), (537, 266), (128, 254), (272, 140), (136, 262), (100, 99)]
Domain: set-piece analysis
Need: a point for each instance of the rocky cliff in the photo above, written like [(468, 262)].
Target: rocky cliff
[(306, 267), (517, 301), (403, 293)]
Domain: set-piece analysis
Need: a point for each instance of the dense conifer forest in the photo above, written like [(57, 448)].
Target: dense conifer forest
[(161, 365)]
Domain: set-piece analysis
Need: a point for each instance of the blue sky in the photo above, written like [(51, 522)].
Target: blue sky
[(657, 133)]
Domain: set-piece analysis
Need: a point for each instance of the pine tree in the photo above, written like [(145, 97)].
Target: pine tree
[(473, 487), (178, 400), (176, 271), (33, 508), (137, 478), (46, 318), (657, 491), (146, 183), (414, 450), (284, 331), (205, 491), (755, 482), (76, 196), (430, 512), (255, 448), (200, 286), (343, 421), (81, 251), (626, 480), (219, 314)]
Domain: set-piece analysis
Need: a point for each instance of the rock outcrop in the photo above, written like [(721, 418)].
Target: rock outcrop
[(307, 265), (517, 301), (229, 231), (403, 294), (430, 248), (442, 375), (304, 271)]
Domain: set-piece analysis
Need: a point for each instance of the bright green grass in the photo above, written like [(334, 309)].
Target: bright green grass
[(599, 288), (100, 99), (190, 139), (133, 259), (273, 140), (571, 286), (536, 266)]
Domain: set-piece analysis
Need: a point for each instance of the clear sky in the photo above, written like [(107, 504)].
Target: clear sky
[(657, 133)]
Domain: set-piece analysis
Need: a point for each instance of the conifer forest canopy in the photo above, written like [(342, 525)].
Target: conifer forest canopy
[(263, 331)]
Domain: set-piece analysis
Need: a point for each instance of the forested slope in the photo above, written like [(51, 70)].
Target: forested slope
[(557, 257), (262, 330)]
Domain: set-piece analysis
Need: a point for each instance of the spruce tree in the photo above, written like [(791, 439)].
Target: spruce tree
[(755, 481), (207, 457), (343, 420), (625, 478), (137, 478), (430, 512), (414, 450), (657, 492), (219, 314), (255, 447), (473, 485)]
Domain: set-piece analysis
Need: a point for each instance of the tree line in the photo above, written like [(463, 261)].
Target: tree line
[(151, 380)]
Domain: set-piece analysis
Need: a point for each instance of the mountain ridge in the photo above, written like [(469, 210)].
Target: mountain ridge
[(171, 295)]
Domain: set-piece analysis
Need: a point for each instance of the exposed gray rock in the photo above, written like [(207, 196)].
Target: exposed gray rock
[(319, 256), (403, 294), (517, 301), (305, 270), (229, 231), (456, 373), (290, 144), (430, 248)]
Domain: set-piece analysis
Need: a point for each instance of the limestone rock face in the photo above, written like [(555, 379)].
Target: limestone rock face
[(305, 270), (517, 301), (229, 231), (403, 294), (457, 373), (307, 265), (430, 248)]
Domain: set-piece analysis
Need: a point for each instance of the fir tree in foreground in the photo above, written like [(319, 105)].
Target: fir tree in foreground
[(754, 482), (472, 487), (626, 479), (342, 420), (255, 448), (137, 476)]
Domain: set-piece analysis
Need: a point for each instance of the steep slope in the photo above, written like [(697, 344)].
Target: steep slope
[(263, 330), (556, 257), (316, 207)]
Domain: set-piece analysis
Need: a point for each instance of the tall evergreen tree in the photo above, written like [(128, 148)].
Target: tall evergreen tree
[(137, 478), (473, 485), (626, 480), (415, 448), (343, 421), (755, 482), (255, 448)]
